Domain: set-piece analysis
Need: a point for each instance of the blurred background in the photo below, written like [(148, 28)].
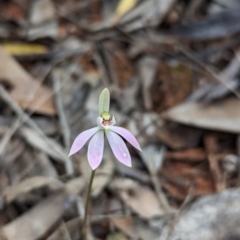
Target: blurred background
[(173, 70)]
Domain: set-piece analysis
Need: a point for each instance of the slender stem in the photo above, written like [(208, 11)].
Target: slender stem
[(84, 226)]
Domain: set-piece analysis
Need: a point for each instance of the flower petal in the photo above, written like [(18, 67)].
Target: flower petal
[(99, 122), (113, 121), (128, 136), (95, 149), (119, 148), (81, 139)]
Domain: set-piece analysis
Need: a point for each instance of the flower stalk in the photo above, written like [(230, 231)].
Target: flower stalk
[(84, 225)]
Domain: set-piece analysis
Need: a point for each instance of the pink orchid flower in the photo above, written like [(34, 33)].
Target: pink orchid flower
[(105, 126)]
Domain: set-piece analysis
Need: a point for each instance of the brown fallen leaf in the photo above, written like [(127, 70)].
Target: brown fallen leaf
[(37, 222), (51, 147), (143, 201), (29, 185), (171, 86), (221, 115), (27, 92)]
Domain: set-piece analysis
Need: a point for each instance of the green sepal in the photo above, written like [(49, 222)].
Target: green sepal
[(104, 101)]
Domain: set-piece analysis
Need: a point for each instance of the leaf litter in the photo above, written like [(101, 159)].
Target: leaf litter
[(172, 68)]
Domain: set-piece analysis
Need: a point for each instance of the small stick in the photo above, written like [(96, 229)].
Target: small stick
[(62, 118), (102, 69), (160, 194)]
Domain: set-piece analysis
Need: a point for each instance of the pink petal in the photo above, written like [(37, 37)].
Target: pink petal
[(95, 149), (119, 148), (128, 136), (81, 139)]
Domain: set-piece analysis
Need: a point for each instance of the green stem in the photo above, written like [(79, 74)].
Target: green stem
[(84, 225)]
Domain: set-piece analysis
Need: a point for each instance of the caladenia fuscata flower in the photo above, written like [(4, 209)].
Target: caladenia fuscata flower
[(105, 126)]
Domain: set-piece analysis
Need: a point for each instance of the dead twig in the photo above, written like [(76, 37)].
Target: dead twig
[(62, 118), (160, 194), (102, 69), (216, 172)]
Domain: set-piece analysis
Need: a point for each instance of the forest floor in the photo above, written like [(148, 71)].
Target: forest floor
[(173, 70)]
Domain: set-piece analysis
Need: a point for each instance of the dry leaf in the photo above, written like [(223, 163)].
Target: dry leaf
[(42, 19), (75, 186), (54, 149), (124, 6), (24, 48), (123, 184), (135, 228), (142, 200), (29, 185), (27, 92), (42, 11), (37, 222), (222, 115)]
